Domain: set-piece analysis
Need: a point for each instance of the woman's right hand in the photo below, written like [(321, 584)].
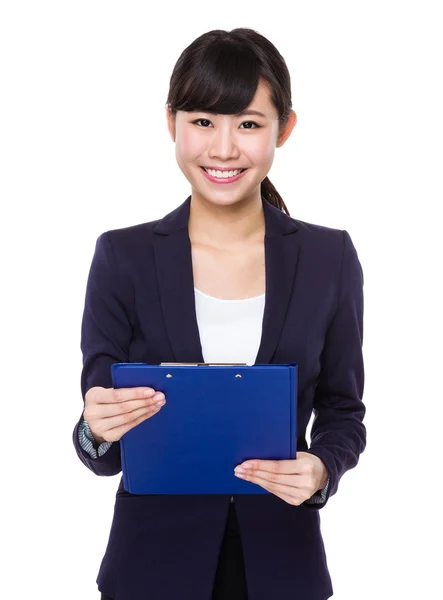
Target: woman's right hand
[(110, 412)]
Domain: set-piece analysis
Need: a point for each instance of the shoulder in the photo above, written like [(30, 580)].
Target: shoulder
[(316, 231), (138, 232), (126, 241), (320, 239), (128, 248), (331, 248), (327, 248)]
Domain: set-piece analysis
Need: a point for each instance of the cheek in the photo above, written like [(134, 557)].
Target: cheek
[(264, 156), (189, 147), (260, 152)]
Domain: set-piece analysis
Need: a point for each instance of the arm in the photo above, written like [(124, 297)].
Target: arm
[(338, 435), (106, 333)]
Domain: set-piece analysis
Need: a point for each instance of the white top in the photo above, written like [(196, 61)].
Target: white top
[(230, 330)]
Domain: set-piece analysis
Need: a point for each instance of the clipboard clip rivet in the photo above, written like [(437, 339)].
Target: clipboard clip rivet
[(169, 375), (238, 375)]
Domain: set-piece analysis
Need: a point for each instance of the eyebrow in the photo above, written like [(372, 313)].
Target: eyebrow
[(249, 111)]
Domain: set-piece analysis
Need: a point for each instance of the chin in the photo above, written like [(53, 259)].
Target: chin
[(221, 199)]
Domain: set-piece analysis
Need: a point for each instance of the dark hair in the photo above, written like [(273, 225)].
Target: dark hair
[(219, 73)]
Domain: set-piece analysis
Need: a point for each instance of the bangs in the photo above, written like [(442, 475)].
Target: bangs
[(223, 81)]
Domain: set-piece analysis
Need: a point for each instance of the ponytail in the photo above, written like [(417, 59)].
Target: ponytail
[(270, 194)]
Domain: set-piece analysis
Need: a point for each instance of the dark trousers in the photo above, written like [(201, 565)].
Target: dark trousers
[(230, 579)]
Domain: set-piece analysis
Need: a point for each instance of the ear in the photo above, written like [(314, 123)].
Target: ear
[(286, 131), (170, 119)]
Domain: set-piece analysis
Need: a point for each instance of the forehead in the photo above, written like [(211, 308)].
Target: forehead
[(261, 102), (262, 99)]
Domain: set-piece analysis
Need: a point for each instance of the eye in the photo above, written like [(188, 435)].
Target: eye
[(257, 126), (252, 123)]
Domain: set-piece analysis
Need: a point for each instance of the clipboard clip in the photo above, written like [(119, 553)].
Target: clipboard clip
[(200, 364)]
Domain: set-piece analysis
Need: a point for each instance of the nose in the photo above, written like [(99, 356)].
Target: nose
[(223, 144)]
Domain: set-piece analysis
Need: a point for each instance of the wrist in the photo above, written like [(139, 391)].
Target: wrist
[(323, 476), (323, 484), (98, 440)]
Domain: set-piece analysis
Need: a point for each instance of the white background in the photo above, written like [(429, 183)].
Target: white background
[(85, 148)]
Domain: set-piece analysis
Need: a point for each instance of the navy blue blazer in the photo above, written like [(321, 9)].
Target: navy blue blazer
[(140, 307)]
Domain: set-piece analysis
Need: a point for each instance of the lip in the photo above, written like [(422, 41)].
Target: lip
[(222, 168), (221, 181)]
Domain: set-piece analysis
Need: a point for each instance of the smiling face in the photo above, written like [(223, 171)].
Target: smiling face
[(245, 141)]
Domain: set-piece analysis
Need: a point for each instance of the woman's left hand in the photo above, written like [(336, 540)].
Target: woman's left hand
[(294, 480)]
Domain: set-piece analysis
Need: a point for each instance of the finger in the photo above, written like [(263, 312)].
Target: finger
[(124, 394), (112, 427), (111, 410), (116, 433), (289, 493), (288, 479), (290, 498), (264, 479), (288, 467)]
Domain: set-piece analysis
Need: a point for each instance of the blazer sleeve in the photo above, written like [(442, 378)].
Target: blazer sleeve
[(88, 443), (106, 333), (338, 435)]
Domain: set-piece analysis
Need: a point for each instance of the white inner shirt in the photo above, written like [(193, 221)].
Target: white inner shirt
[(230, 330)]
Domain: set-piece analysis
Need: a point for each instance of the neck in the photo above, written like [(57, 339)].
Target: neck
[(222, 225)]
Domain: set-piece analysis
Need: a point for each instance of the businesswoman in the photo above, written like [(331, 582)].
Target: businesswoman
[(227, 276)]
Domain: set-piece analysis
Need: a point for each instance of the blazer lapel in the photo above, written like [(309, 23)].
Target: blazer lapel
[(173, 264)]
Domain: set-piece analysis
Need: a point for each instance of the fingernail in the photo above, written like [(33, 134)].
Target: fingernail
[(159, 396)]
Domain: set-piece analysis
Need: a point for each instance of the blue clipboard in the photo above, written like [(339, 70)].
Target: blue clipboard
[(216, 416)]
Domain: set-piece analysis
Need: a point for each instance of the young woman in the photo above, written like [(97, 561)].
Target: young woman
[(228, 276)]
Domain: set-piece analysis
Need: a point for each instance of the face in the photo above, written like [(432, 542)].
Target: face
[(230, 142)]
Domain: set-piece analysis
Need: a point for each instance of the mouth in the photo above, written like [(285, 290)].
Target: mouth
[(237, 174)]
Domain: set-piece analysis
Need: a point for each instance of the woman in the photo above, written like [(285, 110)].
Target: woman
[(192, 287)]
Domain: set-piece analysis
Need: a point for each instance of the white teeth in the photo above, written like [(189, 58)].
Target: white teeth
[(223, 174)]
